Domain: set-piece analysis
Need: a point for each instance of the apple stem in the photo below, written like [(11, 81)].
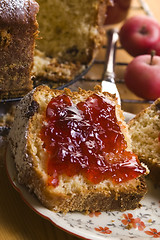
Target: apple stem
[(153, 52)]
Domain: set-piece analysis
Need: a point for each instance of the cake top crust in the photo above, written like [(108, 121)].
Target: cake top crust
[(19, 11)]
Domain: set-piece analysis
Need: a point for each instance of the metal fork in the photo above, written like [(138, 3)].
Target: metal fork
[(108, 82)]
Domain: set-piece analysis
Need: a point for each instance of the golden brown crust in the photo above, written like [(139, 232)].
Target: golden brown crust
[(72, 194), (93, 200), (18, 12), (18, 29)]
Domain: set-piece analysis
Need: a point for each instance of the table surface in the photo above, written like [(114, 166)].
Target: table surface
[(17, 220)]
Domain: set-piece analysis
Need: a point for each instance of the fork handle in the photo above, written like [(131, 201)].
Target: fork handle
[(112, 36)]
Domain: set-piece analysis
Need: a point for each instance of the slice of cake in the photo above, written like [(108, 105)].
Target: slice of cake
[(145, 134), (72, 149), (18, 29)]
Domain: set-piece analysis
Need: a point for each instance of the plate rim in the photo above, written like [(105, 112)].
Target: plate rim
[(31, 200)]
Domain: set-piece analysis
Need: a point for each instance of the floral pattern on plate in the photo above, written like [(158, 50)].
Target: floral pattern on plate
[(142, 223)]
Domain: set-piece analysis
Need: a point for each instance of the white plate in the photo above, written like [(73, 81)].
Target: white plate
[(143, 223)]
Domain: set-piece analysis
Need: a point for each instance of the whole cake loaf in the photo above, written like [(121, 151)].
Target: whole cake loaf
[(72, 149), (70, 32), (18, 30)]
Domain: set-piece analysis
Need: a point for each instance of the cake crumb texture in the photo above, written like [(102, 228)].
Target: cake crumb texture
[(145, 135)]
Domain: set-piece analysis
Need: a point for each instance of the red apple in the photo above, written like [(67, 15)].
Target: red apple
[(142, 76), (139, 34), (117, 12)]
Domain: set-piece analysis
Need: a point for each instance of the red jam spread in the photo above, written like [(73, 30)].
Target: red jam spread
[(86, 139)]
